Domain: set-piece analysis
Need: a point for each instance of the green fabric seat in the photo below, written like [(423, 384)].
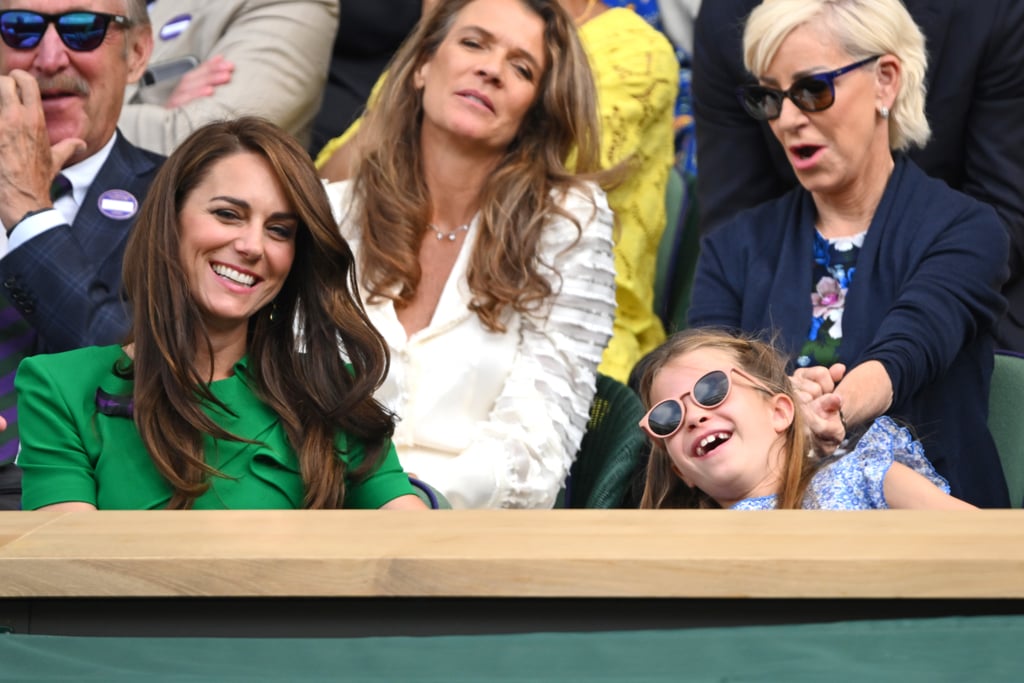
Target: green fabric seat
[(1006, 422), (611, 452), (677, 253)]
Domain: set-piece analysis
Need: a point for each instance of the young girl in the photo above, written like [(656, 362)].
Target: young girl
[(727, 432)]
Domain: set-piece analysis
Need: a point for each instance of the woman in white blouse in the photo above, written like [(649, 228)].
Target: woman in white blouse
[(483, 261)]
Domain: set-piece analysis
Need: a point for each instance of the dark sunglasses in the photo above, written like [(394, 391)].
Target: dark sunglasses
[(710, 391), (80, 31), (816, 92)]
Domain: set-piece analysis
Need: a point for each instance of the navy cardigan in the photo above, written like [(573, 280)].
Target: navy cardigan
[(923, 302)]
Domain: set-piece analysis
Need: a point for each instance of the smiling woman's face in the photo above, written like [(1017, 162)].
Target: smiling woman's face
[(237, 241), (482, 80)]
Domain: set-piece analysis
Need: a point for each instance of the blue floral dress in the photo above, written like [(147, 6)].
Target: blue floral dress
[(855, 481), (835, 262)]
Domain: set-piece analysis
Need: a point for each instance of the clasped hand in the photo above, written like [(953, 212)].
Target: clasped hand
[(815, 392)]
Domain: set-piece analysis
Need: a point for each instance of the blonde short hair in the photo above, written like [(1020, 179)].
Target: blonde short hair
[(862, 28)]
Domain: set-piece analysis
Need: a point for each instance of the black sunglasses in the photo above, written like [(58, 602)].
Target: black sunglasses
[(710, 391), (80, 31), (816, 92)]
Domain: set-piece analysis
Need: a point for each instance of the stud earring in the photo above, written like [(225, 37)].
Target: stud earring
[(883, 112)]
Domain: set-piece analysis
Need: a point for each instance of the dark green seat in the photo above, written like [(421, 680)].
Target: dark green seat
[(612, 450), (1006, 422), (677, 253)]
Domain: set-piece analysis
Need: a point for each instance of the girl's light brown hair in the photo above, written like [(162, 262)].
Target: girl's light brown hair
[(517, 200), (664, 489), (294, 362)]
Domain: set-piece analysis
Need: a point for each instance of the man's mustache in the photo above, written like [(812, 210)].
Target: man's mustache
[(64, 83)]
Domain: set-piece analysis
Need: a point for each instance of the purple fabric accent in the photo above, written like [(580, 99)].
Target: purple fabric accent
[(431, 496), (115, 406), (7, 382), (8, 314), (17, 345), (8, 451)]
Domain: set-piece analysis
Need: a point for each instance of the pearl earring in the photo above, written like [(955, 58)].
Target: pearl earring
[(883, 112)]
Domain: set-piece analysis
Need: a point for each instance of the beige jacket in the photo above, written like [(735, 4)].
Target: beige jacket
[(280, 48)]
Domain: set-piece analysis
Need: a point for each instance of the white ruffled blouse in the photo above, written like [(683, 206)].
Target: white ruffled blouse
[(494, 420)]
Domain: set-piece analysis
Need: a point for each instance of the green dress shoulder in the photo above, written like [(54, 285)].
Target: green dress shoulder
[(78, 443)]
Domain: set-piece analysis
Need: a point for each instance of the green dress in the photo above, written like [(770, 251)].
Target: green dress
[(73, 451)]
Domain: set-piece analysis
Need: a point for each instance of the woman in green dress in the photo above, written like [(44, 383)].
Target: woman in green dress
[(229, 391)]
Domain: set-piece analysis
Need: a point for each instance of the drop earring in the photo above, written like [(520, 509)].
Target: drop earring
[(273, 310)]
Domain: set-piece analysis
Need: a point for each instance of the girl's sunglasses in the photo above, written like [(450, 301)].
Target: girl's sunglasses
[(80, 31), (710, 391), (816, 92)]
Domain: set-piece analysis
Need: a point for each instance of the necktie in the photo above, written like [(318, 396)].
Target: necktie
[(61, 186)]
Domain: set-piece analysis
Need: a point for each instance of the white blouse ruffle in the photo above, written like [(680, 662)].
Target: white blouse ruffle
[(495, 420)]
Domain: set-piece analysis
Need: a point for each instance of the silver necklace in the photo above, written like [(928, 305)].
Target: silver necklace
[(450, 236)]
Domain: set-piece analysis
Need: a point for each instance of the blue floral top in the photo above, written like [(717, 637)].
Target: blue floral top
[(835, 262), (854, 481)]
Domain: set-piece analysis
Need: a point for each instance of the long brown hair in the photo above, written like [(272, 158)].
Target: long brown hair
[(664, 489), (393, 204), (295, 365)]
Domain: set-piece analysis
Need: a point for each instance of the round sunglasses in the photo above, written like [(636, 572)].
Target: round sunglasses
[(710, 391), (812, 93), (81, 31)]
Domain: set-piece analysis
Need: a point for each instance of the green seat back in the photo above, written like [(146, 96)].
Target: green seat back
[(1006, 421), (611, 452), (677, 253)]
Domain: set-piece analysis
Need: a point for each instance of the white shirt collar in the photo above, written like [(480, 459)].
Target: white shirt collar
[(84, 173)]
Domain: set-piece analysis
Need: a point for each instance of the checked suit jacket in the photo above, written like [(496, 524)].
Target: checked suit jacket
[(66, 282)]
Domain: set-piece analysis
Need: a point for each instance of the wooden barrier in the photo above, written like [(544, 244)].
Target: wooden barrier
[(53, 558)]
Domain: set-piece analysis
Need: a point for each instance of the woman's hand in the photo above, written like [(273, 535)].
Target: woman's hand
[(825, 422), (821, 407), (812, 383)]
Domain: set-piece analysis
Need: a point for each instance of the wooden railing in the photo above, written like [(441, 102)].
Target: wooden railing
[(565, 553)]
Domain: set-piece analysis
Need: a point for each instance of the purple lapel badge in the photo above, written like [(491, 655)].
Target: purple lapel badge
[(175, 27), (118, 204)]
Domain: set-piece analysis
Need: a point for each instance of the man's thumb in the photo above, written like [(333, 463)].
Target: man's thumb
[(64, 150)]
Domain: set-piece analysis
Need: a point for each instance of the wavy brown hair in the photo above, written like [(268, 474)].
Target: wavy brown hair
[(392, 201), (664, 489), (294, 362)]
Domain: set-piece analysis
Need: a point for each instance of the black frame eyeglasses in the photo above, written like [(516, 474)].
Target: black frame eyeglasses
[(816, 92), (710, 391), (80, 30)]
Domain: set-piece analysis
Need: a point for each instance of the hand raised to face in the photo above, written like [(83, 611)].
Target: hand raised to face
[(28, 163)]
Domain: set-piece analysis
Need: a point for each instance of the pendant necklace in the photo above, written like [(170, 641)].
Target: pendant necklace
[(450, 236)]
